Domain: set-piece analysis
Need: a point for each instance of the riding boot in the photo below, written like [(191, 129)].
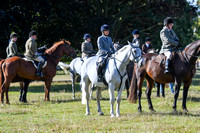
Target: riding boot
[(99, 72), (167, 66), (39, 69)]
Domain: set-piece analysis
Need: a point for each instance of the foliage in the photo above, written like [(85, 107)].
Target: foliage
[(55, 20)]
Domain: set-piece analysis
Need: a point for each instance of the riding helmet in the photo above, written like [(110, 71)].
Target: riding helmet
[(168, 20), (105, 27), (32, 33), (12, 35), (147, 39), (136, 31), (86, 36)]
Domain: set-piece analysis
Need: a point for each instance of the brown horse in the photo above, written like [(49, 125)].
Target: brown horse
[(153, 70), (17, 66)]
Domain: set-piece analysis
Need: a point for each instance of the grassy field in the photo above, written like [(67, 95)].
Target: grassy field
[(63, 114)]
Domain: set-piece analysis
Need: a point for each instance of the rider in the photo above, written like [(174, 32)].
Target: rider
[(106, 48), (12, 49), (147, 46), (86, 47), (136, 39), (31, 52), (169, 42)]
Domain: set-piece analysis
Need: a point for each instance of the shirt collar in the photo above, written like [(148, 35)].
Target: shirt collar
[(147, 45)]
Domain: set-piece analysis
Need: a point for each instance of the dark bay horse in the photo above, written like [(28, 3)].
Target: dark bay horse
[(16, 66), (153, 70)]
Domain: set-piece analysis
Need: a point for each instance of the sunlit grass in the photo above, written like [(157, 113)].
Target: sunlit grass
[(63, 114)]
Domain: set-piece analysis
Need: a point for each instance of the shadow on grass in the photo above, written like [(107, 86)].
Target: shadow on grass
[(180, 113), (54, 88)]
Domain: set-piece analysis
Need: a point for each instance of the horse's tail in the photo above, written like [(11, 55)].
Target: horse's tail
[(133, 89), (1, 73)]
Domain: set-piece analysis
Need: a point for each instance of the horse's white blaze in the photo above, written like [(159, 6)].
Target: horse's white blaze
[(112, 77)]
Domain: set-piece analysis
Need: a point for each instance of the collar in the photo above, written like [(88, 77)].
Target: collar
[(147, 45)]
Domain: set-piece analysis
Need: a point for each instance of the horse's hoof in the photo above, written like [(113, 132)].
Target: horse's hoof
[(100, 113), (175, 111), (185, 110), (139, 110), (88, 113), (74, 98), (118, 115), (3, 104), (8, 103), (112, 115), (153, 111)]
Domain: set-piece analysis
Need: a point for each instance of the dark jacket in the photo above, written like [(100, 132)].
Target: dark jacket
[(145, 49)]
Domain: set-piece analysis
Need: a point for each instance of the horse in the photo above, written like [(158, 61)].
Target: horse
[(115, 76), (16, 66), (153, 70)]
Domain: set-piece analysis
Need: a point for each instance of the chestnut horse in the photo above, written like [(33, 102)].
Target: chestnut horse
[(17, 66), (153, 70)]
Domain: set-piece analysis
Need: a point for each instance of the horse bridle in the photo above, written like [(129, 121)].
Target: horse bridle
[(121, 77)]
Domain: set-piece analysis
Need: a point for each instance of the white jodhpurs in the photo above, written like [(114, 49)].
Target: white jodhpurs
[(168, 54), (39, 58)]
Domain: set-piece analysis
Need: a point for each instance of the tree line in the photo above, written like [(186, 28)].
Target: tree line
[(71, 19)]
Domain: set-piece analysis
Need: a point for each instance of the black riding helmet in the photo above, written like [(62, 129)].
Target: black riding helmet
[(13, 35), (168, 20)]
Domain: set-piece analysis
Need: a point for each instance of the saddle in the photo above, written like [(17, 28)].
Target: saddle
[(35, 63), (161, 58)]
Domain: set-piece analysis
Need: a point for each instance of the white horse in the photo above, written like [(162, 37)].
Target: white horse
[(115, 76), (75, 71)]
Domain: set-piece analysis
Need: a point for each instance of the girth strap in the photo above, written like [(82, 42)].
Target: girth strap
[(121, 77)]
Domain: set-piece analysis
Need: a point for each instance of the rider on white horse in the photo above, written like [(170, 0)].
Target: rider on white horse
[(136, 39), (106, 48), (86, 47)]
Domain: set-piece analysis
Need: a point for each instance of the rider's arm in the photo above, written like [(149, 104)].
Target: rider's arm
[(13, 49)]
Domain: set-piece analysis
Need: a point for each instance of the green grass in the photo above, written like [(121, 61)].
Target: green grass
[(63, 114)]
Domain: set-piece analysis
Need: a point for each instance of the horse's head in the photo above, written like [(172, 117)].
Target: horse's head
[(67, 49), (136, 53)]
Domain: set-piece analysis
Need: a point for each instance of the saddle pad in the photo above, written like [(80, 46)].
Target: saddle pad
[(160, 58), (34, 62)]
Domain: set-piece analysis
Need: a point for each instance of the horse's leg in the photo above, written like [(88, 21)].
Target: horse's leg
[(72, 75), (150, 83), (163, 90), (177, 88), (7, 99), (118, 99), (112, 99), (4, 88), (127, 87), (26, 84), (47, 88), (185, 92), (85, 93), (158, 89), (21, 91), (98, 94), (91, 92)]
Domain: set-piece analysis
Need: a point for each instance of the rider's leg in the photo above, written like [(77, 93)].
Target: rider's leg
[(168, 62), (40, 64), (100, 67)]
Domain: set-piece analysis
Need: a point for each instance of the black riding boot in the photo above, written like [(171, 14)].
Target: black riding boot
[(167, 66), (39, 69), (99, 72)]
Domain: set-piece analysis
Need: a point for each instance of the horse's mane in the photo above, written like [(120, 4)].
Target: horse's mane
[(121, 49), (192, 45), (56, 45)]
